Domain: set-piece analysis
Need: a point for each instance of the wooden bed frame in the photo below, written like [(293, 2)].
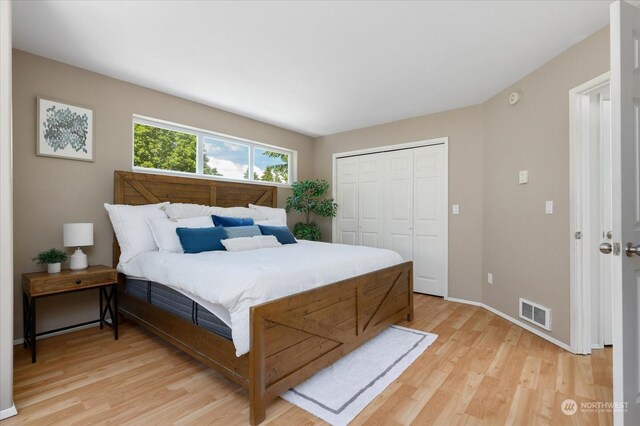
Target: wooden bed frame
[(291, 338)]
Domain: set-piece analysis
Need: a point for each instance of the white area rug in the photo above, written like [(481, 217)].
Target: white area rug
[(339, 392)]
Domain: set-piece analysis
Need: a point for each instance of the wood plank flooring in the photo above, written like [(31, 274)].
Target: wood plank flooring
[(481, 370)]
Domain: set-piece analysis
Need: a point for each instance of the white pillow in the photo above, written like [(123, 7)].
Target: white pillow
[(278, 216), (250, 243), (241, 212), (165, 235), (131, 228), (182, 210)]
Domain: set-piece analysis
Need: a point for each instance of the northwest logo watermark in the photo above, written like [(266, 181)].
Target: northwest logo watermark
[(569, 406)]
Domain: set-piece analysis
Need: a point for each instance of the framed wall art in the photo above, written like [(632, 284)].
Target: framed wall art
[(64, 130)]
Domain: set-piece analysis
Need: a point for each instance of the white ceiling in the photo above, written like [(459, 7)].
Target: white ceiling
[(314, 67)]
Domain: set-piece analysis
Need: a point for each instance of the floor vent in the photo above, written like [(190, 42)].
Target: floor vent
[(535, 314)]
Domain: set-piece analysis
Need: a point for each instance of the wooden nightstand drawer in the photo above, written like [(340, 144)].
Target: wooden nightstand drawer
[(42, 283)]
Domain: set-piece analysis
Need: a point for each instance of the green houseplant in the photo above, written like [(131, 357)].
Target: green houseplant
[(53, 258), (310, 197)]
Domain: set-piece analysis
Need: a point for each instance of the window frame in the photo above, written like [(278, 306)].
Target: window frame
[(200, 136)]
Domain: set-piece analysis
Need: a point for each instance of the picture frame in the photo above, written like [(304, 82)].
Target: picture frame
[(64, 130)]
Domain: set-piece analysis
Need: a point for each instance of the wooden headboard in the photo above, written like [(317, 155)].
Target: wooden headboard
[(143, 188)]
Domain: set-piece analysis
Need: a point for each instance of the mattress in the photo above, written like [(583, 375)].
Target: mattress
[(235, 281), (174, 302)]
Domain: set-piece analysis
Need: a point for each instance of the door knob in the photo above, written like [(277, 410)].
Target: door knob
[(606, 248), (631, 250)]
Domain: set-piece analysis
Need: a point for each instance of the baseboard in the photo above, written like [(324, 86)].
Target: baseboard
[(515, 321), (80, 327), (8, 412), (466, 302)]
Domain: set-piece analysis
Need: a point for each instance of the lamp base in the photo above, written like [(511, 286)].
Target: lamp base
[(78, 260)]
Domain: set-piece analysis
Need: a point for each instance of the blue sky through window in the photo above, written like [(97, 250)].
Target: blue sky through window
[(227, 156), (266, 168), (262, 161), (230, 159)]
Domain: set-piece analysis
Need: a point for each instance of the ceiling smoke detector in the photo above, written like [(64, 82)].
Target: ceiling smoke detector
[(515, 98)]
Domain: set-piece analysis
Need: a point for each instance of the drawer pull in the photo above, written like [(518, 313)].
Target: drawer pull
[(78, 281)]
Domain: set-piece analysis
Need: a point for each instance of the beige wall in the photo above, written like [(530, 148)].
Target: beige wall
[(463, 127), (502, 227), (526, 250), (50, 192)]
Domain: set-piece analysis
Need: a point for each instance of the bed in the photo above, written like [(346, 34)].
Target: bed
[(289, 338)]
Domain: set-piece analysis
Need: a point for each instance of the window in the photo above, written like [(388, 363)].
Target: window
[(164, 149), (222, 158), (169, 147), (271, 166)]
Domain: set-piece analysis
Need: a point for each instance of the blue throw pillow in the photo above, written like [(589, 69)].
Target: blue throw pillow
[(196, 240), (242, 231), (282, 233), (231, 221)]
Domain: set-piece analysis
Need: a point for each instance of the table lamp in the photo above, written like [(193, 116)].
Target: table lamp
[(78, 235)]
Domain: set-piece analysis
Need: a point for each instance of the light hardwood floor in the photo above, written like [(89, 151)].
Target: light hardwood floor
[(481, 370)]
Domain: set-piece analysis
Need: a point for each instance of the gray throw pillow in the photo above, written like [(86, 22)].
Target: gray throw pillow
[(242, 231)]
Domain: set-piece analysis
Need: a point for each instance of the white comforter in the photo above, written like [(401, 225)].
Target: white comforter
[(239, 280)]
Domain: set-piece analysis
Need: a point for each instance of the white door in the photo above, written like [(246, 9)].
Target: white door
[(370, 206), (398, 200), (347, 199), (398, 203), (606, 291), (429, 220), (625, 148)]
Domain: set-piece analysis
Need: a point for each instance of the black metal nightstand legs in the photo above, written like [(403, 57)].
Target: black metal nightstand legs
[(29, 324), (32, 310), (101, 308), (110, 294), (108, 304), (114, 290), (25, 309)]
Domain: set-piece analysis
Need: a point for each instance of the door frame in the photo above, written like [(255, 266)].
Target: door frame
[(7, 406), (580, 210), (396, 147)]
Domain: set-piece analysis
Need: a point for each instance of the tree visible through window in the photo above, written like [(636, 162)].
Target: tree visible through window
[(164, 149), (178, 148), (271, 166)]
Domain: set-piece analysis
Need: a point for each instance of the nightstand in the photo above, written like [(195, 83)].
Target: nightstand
[(43, 284)]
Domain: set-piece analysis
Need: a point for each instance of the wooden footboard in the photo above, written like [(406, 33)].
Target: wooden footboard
[(291, 338), (294, 337)]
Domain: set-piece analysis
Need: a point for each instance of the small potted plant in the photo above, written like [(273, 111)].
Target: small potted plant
[(310, 197), (53, 258)]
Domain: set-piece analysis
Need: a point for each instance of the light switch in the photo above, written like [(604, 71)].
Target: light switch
[(456, 209), (489, 278), (548, 207), (523, 177)]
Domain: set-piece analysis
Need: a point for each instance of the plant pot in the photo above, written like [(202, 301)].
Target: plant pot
[(53, 268)]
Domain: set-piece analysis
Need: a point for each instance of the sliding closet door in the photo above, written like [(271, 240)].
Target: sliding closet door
[(347, 199), (370, 194), (429, 220), (397, 200), (398, 203)]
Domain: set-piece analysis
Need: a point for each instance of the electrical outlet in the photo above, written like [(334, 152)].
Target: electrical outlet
[(456, 209), (489, 278)]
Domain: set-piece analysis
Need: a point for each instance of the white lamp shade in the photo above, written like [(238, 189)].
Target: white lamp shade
[(77, 234)]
